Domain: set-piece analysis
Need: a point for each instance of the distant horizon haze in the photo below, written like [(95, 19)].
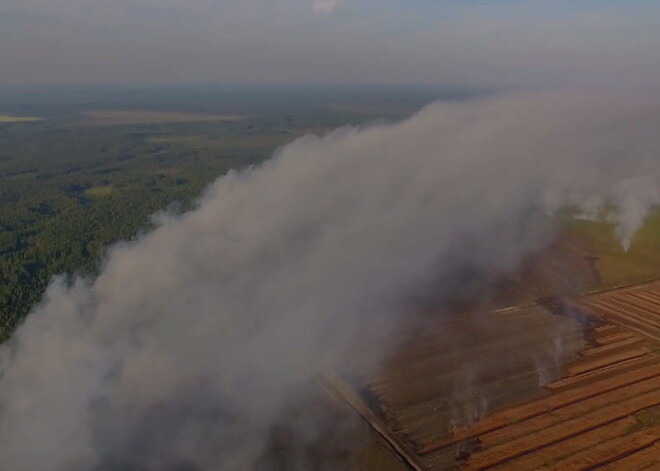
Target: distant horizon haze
[(476, 43)]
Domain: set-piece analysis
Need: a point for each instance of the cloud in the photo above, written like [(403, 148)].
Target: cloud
[(326, 7), (190, 346)]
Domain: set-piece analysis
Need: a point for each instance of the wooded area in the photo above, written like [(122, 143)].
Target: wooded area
[(68, 190)]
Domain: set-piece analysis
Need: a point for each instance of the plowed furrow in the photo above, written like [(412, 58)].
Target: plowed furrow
[(636, 325), (650, 306), (527, 411), (572, 381), (602, 402), (554, 453), (606, 329), (610, 451), (646, 459), (646, 294), (587, 366), (562, 431), (634, 307), (624, 314), (589, 352), (608, 339)]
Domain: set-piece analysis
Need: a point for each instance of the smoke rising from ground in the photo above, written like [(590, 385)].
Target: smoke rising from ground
[(195, 338)]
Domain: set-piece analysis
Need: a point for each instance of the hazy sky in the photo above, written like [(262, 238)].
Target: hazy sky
[(466, 42)]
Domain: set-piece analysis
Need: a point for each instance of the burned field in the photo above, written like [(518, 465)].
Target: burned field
[(637, 308), (572, 386)]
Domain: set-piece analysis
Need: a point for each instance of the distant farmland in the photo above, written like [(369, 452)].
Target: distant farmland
[(115, 117), (17, 119)]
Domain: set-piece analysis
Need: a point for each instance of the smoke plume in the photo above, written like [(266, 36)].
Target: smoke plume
[(197, 337)]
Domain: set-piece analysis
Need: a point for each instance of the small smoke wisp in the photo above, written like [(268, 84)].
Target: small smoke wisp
[(549, 364), (197, 337)]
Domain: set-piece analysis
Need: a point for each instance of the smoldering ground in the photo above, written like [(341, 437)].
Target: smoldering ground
[(195, 339)]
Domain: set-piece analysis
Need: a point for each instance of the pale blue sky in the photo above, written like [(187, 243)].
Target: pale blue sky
[(508, 43)]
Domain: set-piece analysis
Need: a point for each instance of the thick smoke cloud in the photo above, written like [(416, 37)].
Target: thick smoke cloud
[(195, 338)]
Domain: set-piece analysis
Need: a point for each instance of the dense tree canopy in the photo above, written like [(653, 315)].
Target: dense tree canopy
[(67, 190)]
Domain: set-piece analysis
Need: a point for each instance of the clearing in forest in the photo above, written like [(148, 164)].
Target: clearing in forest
[(5, 118), (112, 117)]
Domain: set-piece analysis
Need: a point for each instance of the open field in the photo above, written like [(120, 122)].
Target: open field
[(104, 190), (641, 262), (455, 373), (270, 140), (17, 119), (361, 108), (636, 307), (116, 117), (591, 402)]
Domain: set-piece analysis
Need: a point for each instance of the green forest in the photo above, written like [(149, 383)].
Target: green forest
[(69, 189), (84, 167)]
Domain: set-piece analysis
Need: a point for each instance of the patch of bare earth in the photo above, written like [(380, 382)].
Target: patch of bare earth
[(117, 117)]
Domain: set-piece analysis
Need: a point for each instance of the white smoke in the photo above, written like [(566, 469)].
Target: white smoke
[(195, 338), (549, 363)]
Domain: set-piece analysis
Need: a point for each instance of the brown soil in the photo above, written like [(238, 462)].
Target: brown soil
[(467, 392)]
